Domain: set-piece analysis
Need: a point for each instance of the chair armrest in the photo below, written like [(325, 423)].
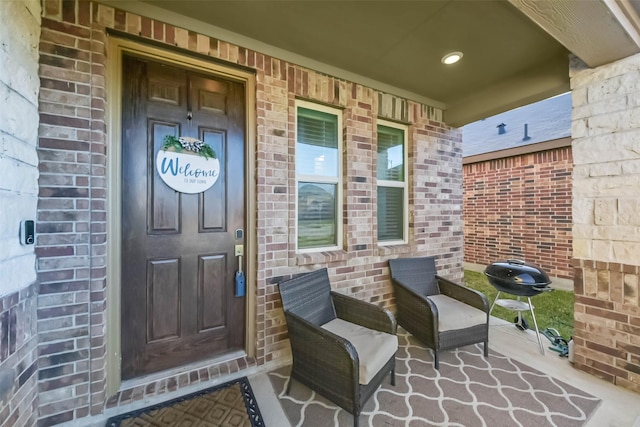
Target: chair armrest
[(363, 313), (322, 354), (463, 294), (416, 308)]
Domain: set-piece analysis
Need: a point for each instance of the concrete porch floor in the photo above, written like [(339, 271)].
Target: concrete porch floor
[(619, 407)]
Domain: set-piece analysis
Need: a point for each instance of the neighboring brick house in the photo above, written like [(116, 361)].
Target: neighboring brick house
[(81, 77), (517, 188)]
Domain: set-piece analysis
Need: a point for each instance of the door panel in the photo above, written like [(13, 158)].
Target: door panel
[(178, 261), (163, 202), (211, 311), (163, 286), (214, 200)]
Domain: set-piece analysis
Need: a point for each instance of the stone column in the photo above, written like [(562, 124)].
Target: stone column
[(19, 87), (606, 219)]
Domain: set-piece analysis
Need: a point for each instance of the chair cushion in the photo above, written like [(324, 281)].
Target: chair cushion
[(453, 314), (374, 348)]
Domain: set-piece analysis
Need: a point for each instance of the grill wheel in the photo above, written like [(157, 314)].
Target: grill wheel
[(521, 323)]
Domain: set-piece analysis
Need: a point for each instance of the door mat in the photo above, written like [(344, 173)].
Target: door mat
[(230, 404), (469, 390)]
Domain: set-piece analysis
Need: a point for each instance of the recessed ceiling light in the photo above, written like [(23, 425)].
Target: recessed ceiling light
[(451, 58)]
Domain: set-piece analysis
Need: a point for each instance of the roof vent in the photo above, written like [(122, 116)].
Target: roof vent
[(501, 129), (526, 132)]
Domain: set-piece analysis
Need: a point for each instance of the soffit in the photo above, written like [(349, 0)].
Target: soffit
[(509, 60)]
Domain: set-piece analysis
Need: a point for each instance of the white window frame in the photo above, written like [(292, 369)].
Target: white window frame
[(396, 184), (338, 181)]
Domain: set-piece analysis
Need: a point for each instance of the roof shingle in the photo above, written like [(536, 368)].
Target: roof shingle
[(547, 120)]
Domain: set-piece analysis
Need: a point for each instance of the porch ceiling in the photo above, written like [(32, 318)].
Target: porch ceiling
[(515, 52)]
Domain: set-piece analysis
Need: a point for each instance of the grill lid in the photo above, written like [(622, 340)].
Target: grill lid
[(515, 272)]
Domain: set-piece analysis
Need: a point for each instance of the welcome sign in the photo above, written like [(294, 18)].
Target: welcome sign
[(187, 172)]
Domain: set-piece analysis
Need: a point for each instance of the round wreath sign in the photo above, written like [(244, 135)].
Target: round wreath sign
[(187, 165)]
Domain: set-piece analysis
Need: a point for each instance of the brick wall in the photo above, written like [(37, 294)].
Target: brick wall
[(606, 229), (19, 87), (72, 217), (71, 214), (18, 358), (520, 207)]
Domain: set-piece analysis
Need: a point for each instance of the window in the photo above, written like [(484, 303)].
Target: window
[(393, 205), (318, 177)]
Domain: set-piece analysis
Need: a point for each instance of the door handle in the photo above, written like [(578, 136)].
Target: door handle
[(240, 279), (239, 250)]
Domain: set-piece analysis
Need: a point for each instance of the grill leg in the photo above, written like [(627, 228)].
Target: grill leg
[(393, 376), (494, 302), (536, 326)]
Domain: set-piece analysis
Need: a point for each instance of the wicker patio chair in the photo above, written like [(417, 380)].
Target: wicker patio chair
[(342, 347), (440, 313)]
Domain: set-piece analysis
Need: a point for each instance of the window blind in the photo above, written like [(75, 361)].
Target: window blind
[(391, 183), (390, 163), (317, 143)]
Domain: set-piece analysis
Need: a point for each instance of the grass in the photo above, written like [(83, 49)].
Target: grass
[(553, 309)]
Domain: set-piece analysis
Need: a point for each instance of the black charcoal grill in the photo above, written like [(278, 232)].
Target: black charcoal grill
[(523, 280)]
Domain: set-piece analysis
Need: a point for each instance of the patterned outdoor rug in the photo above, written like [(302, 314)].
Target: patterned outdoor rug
[(230, 404), (468, 391)]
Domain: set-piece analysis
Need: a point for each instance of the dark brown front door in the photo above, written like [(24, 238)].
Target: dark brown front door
[(178, 262)]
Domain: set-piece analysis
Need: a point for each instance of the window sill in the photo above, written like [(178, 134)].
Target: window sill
[(325, 257), (403, 248)]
